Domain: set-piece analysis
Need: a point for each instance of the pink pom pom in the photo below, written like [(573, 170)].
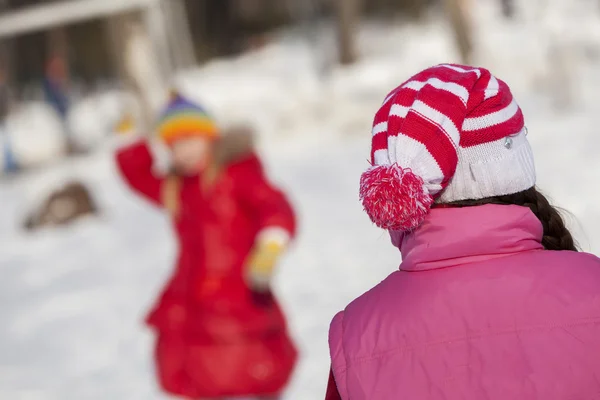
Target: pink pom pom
[(394, 198)]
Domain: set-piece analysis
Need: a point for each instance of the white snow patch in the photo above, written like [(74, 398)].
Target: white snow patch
[(95, 117), (36, 134)]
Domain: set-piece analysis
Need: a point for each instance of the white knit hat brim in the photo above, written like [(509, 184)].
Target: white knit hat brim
[(498, 168)]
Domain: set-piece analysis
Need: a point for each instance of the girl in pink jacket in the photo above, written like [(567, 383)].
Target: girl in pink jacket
[(492, 300)]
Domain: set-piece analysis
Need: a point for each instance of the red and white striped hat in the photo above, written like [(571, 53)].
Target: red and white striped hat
[(449, 133)]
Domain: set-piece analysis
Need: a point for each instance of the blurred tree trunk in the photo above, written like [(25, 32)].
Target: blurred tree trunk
[(6, 81), (138, 64), (410, 9), (197, 22), (213, 27), (57, 80), (508, 8), (348, 19), (458, 13), (221, 24), (415, 9), (7, 66), (177, 35), (57, 61), (89, 53), (58, 43)]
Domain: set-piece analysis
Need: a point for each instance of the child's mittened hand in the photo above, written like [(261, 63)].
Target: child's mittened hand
[(261, 265)]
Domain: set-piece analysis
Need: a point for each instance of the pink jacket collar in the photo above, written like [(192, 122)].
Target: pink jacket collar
[(457, 236)]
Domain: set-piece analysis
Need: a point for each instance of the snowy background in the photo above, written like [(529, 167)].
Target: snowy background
[(72, 300)]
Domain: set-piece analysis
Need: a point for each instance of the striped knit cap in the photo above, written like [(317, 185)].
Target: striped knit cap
[(182, 118), (449, 133)]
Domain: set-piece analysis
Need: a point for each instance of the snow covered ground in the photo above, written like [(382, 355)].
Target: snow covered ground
[(72, 300)]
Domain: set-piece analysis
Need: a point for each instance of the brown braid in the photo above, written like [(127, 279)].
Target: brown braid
[(171, 188), (171, 191), (556, 234)]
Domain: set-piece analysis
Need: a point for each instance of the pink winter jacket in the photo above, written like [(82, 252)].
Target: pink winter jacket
[(479, 310)]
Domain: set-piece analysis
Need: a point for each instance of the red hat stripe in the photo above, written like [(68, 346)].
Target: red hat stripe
[(444, 102), (461, 69), (483, 106), (459, 91), (492, 133), (478, 93), (380, 142), (440, 121), (492, 89), (422, 130), (492, 119)]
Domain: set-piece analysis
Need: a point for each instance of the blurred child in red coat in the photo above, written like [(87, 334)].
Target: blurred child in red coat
[(220, 331)]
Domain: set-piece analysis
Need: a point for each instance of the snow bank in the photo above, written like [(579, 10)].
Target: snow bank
[(95, 117), (35, 134)]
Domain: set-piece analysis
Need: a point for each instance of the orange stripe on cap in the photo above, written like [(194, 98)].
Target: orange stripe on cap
[(176, 128), (184, 119)]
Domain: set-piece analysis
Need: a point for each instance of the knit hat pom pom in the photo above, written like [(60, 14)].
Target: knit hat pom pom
[(394, 198)]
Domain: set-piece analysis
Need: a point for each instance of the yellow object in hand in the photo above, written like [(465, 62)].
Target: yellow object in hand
[(262, 262), (125, 125)]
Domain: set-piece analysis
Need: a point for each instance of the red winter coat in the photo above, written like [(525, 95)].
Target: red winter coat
[(214, 340)]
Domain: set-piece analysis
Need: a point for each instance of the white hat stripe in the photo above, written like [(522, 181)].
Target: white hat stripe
[(438, 119), (454, 88), (492, 119), (381, 157), (493, 88), (399, 111), (425, 166), (380, 127), (391, 143)]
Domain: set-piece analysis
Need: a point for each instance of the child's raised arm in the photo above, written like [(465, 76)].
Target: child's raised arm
[(135, 163), (268, 204)]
